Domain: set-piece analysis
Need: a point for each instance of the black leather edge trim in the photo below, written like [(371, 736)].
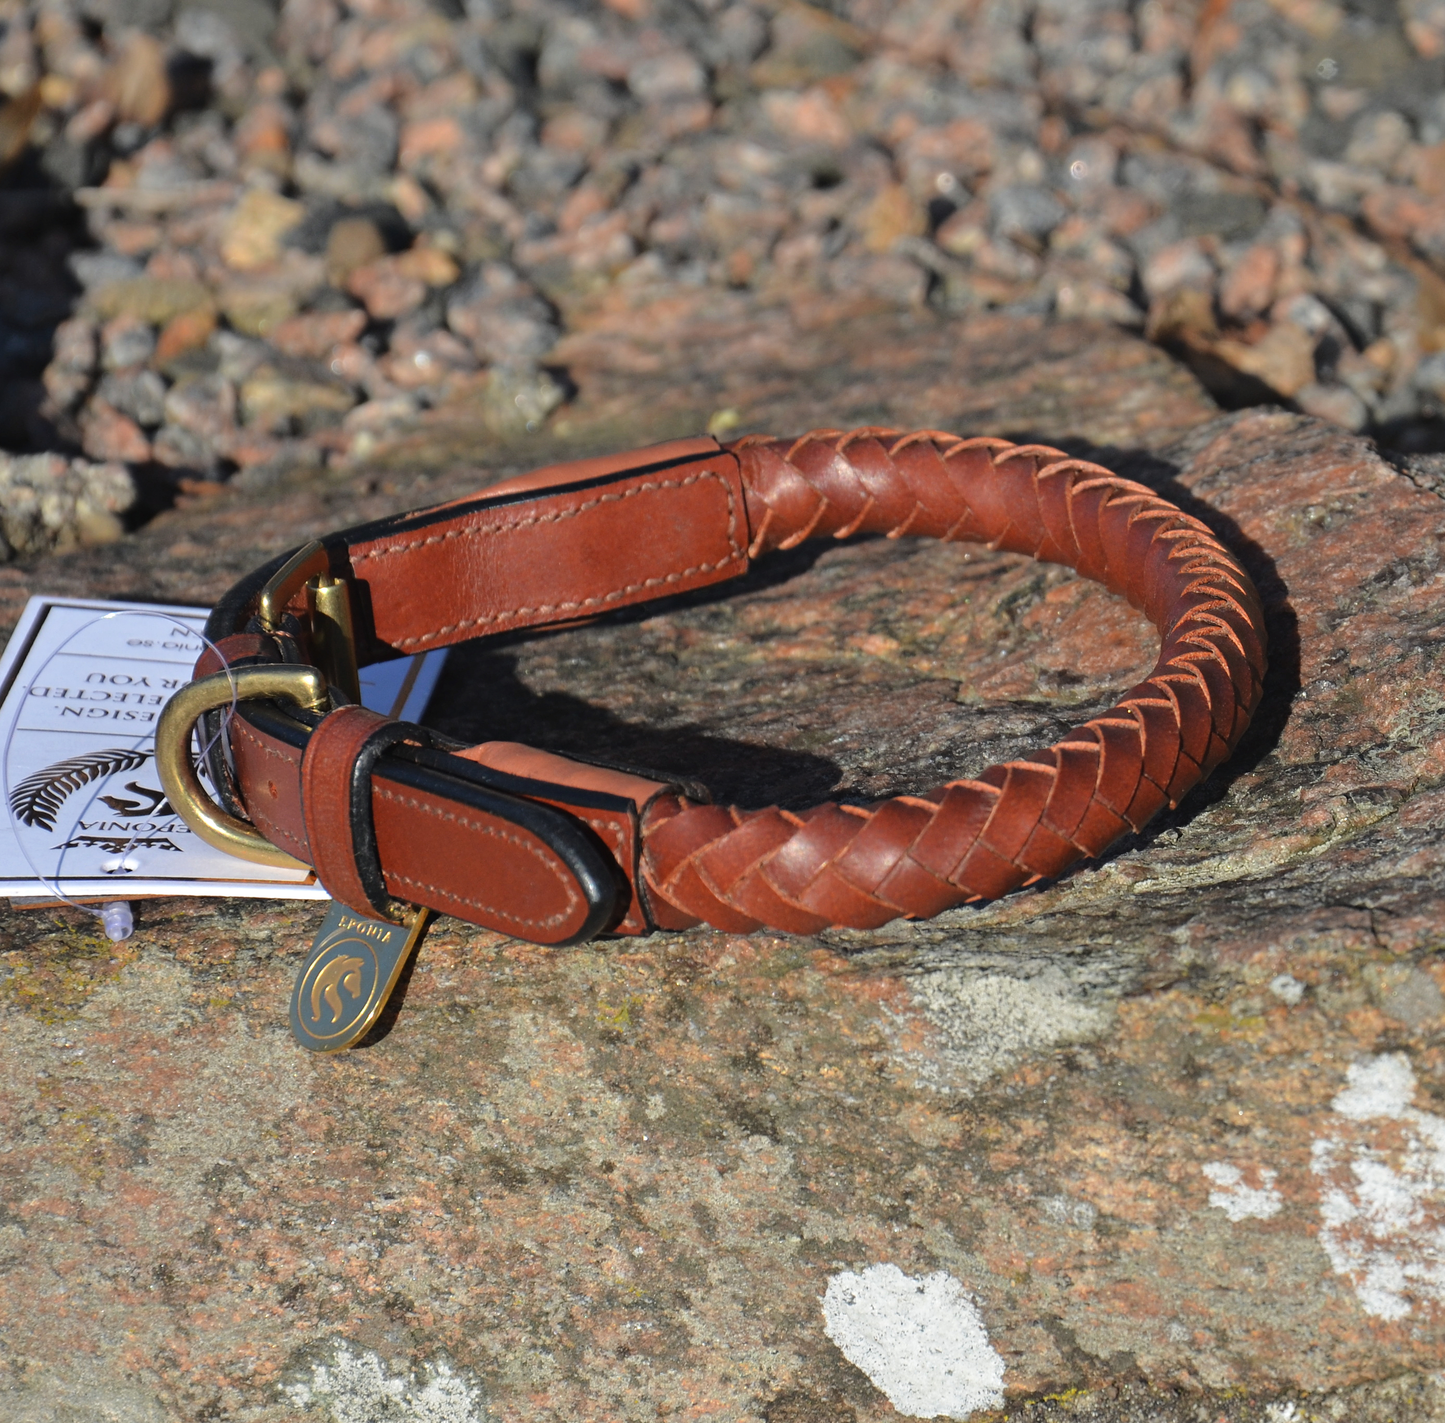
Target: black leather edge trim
[(284, 723), (233, 610), (626, 876), (591, 867), (363, 820)]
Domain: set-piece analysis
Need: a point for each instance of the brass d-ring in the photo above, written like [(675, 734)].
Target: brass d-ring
[(303, 685)]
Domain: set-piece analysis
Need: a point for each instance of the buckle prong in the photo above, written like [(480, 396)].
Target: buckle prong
[(305, 564), (328, 601), (305, 686), (333, 636)]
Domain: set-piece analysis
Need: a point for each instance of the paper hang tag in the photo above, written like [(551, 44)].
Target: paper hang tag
[(82, 811), (348, 976)]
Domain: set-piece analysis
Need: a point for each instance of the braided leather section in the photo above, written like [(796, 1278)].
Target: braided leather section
[(847, 866)]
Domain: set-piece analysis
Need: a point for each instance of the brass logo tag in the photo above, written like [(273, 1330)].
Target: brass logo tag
[(348, 976)]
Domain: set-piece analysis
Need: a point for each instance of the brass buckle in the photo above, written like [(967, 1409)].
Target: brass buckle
[(288, 580), (305, 686), (328, 599)]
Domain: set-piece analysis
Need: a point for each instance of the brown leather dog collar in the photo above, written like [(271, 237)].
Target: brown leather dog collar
[(554, 850)]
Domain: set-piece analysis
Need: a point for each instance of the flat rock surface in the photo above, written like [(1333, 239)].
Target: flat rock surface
[(1163, 1139)]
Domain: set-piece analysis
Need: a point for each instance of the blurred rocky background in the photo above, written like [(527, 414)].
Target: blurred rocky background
[(241, 240)]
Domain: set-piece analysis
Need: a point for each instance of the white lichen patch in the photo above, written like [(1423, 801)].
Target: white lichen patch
[(986, 1023), (922, 1342), (1287, 988), (355, 1386), (1064, 1210), (1382, 1202), (1237, 1198)]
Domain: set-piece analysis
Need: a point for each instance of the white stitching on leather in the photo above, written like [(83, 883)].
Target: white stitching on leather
[(470, 824), (271, 826), (477, 530)]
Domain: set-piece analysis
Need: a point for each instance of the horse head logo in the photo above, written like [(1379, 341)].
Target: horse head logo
[(341, 972)]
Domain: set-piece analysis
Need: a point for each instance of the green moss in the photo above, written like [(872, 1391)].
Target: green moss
[(53, 976)]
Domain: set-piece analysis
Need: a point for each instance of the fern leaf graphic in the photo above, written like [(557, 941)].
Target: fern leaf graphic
[(38, 798)]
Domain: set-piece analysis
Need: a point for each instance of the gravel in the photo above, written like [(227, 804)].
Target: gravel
[(225, 230)]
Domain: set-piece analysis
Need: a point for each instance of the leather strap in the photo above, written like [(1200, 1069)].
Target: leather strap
[(235, 651), (531, 871), (336, 802), (576, 540), (532, 554), (609, 802)]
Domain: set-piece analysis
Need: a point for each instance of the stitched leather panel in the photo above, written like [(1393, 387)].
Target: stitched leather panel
[(616, 824), (525, 560), (917, 855), (477, 866), (269, 773), (326, 772), (435, 851)]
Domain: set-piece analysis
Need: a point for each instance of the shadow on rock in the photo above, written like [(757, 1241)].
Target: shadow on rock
[(481, 698), (38, 227), (387, 1018)]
